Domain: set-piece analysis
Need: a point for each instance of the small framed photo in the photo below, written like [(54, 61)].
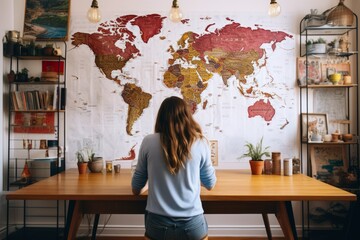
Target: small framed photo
[(214, 152), (313, 124), (329, 164), (314, 70)]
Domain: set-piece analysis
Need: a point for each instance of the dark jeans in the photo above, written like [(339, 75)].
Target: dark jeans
[(166, 228)]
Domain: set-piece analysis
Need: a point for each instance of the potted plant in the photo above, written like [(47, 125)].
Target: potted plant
[(82, 162), (316, 46), (256, 152), (95, 164), (23, 75)]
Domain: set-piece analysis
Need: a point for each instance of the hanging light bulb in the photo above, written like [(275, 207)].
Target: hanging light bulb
[(93, 13), (274, 9), (175, 12)]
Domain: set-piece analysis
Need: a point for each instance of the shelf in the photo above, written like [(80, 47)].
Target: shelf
[(37, 57), (328, 86), (331, 54), (326, 30), (38, 83), (329, 143), (33, 126), (37, 111)]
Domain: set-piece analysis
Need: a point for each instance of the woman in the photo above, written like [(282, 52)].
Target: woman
[(174, 161)]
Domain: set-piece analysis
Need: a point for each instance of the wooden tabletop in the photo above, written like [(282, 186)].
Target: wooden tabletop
[(237, 185)]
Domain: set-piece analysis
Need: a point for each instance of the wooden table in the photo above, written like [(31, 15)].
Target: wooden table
[(236, 192)]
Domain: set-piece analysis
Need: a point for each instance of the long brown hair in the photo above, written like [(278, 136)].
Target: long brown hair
[(178, 131)]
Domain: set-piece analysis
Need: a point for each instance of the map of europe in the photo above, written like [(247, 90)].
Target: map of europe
[(229, 51)]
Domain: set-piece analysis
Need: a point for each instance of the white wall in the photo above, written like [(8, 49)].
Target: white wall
[(294, 10)]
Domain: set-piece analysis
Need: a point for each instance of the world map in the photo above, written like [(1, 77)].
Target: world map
[(229, 51)]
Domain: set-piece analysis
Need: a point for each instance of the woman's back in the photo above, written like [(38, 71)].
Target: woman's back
[(174, 195)]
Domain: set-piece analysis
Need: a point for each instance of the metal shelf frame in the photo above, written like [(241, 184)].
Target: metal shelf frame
[(351, 94), (58, 208)]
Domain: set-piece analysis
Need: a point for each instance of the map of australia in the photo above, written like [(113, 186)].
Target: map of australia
[(231, 51)]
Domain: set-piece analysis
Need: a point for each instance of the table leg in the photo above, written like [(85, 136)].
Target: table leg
[(74, 220), (267, 225), (95, 226), (68, 218), (290, 213), (285, 218)]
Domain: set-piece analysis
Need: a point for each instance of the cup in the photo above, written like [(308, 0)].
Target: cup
[(109, 166), (117, 168)]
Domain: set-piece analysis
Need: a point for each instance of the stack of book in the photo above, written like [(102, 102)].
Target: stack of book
[(39, 100)]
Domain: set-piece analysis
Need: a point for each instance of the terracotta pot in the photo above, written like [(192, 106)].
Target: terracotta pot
[(82, 167), (96, 165), (256, 167)]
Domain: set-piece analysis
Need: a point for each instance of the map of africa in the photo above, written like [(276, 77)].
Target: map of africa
[(230, 51)]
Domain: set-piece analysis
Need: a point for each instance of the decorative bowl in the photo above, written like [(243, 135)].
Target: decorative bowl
[(335, 78), (347, 137), (97, 165)]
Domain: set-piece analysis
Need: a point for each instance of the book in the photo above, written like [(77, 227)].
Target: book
[(14, 104), (62, 98), (55, 104)]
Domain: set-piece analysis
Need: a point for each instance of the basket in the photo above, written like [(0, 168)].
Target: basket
[(340, 16)]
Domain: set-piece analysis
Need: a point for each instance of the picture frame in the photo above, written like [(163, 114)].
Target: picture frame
[(46, 20), (214, 152), (313, 124), (329, 68), (314, 70), (329, 163)]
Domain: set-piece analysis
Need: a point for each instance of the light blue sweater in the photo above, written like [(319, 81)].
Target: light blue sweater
[(173, 195)]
